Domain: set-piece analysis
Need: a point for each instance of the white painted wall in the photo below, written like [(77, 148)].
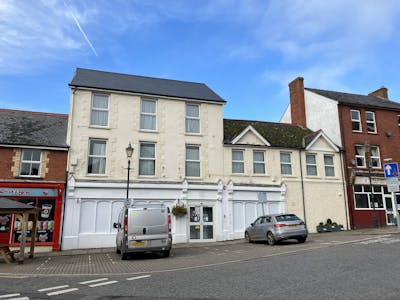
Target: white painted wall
[(322, 113)]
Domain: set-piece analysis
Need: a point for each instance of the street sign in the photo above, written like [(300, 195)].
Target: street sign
[(391, 170), (392, 184)]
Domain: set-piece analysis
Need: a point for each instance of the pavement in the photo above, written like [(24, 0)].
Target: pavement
[(98, 262)]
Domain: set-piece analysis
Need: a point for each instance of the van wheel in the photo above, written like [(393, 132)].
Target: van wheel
[(166, 253), (118, 251)]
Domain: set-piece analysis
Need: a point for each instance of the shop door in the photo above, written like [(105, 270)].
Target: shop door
[(389, 211), (201, 222)]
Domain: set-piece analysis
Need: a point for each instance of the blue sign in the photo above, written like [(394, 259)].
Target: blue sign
[(391, 170)]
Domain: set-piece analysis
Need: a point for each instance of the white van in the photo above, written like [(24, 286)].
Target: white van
[(144, 228)]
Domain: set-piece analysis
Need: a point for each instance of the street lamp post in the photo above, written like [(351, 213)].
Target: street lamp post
[(129, 152), (367, 148)]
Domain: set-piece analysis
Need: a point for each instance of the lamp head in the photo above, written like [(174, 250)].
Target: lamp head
[(129, 151)]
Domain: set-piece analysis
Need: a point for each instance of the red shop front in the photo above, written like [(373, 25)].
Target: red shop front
[(48, 197)]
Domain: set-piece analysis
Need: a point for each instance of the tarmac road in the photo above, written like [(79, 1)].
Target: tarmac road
[(100, 262)]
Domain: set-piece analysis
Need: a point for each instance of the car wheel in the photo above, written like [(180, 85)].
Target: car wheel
[(166, 253), (247, 237), (118, 251), (270, 238), (302, 239)]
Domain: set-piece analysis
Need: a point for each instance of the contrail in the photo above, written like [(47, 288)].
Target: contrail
[(80, 28)]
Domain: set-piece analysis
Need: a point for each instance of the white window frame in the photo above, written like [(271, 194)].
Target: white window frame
[(143, 159), (148, 114), (30, 162), (372, 157), (361, 156), (373, 122), (330, 167), (192, 118), (238, 162), (311, 165), (376, 157), (97, 156), (196, 161), (258, 162), (100, 109), (355, 120), (286, 163)]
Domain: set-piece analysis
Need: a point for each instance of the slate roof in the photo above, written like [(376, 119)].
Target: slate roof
[(143, 85), (27, 128), (277, 134), (358, 100)]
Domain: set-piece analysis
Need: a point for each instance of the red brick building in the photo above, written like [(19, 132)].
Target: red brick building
[(33, 159), (367, 128)]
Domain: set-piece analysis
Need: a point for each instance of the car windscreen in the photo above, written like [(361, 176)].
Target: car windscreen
[(283, 218)]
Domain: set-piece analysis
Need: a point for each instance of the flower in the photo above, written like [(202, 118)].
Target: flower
[(179, 210)]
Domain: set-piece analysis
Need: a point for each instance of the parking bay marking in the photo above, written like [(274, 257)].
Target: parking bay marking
[(103, 283), (53, 288), (62, 292), (9, 296), (19, 298), (138, 277), (93, 281)]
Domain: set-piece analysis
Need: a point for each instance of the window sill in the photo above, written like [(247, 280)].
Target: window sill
[(96, 175), (193, 134), (28, 177), (148, 176), (372, 132), (99, 127), (148, 131)]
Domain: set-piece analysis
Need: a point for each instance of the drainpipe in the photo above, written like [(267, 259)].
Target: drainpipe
[(344, 190), (302, 188)]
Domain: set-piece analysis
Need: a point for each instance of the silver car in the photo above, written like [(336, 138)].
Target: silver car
[(275, 228)]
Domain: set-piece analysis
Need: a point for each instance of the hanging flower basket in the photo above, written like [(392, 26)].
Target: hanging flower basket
[(179, 210)]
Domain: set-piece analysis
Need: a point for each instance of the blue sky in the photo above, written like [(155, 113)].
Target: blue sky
[(246, 51)]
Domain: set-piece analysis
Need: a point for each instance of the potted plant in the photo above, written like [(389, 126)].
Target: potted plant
[(179, 210), (329, 226)]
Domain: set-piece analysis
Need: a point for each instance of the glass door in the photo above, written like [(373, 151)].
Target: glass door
[(389, 211), (201, 223)]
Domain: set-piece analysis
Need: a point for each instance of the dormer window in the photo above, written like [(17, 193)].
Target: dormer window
[(356, 120)]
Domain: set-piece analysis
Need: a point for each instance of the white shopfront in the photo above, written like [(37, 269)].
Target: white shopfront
[(216, 212)]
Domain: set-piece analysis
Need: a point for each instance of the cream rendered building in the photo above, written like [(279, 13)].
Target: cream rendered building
[(304, 166), (182, 155)]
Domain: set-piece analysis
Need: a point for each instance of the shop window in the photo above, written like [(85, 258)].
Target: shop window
[(30, 162), (45, 223), (99, 112), (364, 198)]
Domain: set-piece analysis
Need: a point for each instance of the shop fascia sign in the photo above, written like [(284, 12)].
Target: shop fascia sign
[(27, 192)]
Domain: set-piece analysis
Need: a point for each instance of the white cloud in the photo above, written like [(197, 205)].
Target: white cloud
[(36, 31)]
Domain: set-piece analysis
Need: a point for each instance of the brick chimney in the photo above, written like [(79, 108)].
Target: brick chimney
[(382, 93), (297, 104)]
